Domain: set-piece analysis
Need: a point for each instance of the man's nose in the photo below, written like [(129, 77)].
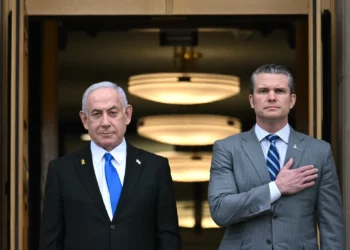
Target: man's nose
[(271, 95), (105, 121)]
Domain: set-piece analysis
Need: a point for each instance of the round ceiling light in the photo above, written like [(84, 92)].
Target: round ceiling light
[(183, 88), (187, 166), (189, 129)]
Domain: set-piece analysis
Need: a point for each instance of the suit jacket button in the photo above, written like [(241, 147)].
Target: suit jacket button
[(274, 217), (268, 242), (112, 227)]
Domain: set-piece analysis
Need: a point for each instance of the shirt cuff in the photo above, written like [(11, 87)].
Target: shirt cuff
[(275, 193)]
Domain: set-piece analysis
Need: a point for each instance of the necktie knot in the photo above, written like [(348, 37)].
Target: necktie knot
[(108, 157), (272, 138)]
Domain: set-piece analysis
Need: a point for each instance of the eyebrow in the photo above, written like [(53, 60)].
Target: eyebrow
[(272, 88), (114, 107), (99, 110)]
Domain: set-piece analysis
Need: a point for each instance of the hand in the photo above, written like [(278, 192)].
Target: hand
[(290, 181)]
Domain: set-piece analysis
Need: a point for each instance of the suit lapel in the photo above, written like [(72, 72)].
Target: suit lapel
[(296, 146), (252, 147), (133, 169), (85, 169)]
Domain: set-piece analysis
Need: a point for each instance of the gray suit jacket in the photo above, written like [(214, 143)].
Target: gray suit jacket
[(239, 197)]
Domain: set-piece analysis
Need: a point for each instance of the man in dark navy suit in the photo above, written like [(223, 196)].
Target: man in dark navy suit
[(109, 195)]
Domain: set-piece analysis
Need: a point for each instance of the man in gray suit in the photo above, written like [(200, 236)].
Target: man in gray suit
[(268, 185)]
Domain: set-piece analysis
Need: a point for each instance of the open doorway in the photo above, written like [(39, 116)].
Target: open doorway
[(93, 49)]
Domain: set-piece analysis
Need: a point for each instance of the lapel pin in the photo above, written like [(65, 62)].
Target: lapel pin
[(295, 146), (82, 162), (138, 161)]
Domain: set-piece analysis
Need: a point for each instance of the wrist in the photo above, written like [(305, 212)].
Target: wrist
[(279, 186)]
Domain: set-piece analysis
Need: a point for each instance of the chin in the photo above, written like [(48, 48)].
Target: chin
[(274, 113), (271, 116), (107, 142), (108, 146)]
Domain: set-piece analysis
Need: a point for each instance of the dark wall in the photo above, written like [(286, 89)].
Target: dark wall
[(34, 135)]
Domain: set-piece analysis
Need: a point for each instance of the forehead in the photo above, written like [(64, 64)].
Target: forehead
[(103, 98), (271, 80)]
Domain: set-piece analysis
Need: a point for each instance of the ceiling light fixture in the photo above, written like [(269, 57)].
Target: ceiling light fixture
[(184, 88), (188, 166), (188, 129), (85, 137)]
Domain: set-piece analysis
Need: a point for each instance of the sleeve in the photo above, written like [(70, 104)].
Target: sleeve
[(168, 236), (227, 205), (52, 224), (329, 207)]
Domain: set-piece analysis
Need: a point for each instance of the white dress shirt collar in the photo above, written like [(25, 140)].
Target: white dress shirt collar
[(118, 152), (118, 162), (283, 133)]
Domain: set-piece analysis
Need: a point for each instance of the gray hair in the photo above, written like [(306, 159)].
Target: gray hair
[(273, 69), (103, 85)]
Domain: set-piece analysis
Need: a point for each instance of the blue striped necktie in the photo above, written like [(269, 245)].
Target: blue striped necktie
[(113, 182), (272, 159)]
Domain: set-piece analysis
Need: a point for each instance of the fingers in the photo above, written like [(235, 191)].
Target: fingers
[(310, 178), (290, 181), (310, 171), (289, 164), (306, 169), (307, 185)]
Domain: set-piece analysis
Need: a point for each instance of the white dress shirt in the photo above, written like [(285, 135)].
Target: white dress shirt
[(282, 145), (118, 161)]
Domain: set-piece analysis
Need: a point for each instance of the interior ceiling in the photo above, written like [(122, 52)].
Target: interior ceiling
[(116, 55)]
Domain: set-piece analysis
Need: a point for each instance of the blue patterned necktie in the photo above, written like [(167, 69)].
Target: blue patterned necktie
[(113, 181), (272, 159)]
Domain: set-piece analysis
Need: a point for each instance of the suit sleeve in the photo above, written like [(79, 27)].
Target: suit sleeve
[(52, 228), (227, 205), (329, 207), (168, 237)]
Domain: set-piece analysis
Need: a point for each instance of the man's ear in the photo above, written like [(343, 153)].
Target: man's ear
[(83, 119), (128, 114), (251, 101), (293, 99)]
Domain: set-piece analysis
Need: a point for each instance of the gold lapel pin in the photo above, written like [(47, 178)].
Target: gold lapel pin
[(138, 161), (82, 162)]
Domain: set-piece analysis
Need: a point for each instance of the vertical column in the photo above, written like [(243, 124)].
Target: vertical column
[(302, 77), (25, 126), (334, 109), (343, 80), (16, 126), (3, 125), (49, 101), (311, 108)]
